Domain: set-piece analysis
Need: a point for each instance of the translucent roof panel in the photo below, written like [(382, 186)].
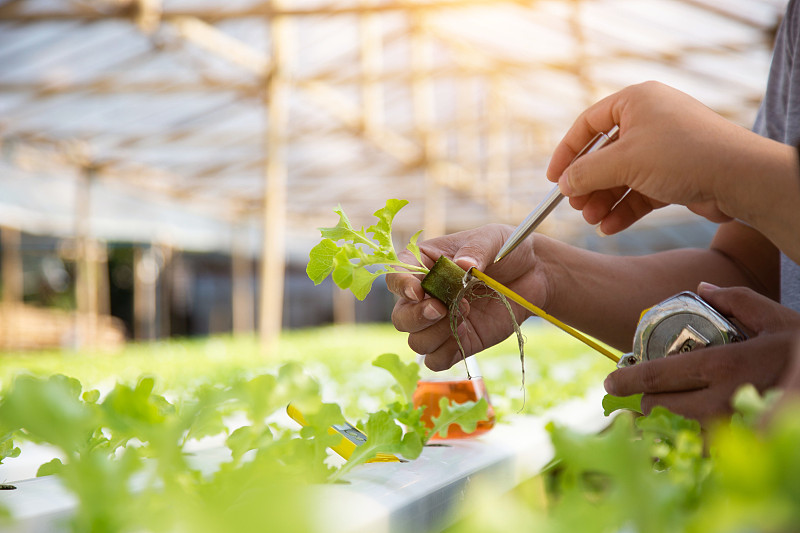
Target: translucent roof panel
[(169, 102)]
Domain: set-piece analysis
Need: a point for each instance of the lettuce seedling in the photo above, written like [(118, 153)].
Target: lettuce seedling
[(354, 260)]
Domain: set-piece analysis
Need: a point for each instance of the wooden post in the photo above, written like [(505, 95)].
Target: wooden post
[(273, 252), (164, 304), (497, 169), (242, 293), (582, 60), (12, 276), (468, 145), (424, 120), (86, 276), (103, 283), (344, 306), (145, 278), (371, 68)]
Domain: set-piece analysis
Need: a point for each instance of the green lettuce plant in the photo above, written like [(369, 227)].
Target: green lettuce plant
[(356, 258)]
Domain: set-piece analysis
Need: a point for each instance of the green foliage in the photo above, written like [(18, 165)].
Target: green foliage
[(660, 473), (7, 448), (127, 460), (750, 406), (754, 486), (615, 403), (383, 436), (467, 415), (125, 457), (406, 375), (353, 259)]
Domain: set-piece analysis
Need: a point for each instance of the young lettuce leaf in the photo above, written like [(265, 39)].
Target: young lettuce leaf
[(615, 403), (406, 375), (353, 259), (384, 435), (467, 415)]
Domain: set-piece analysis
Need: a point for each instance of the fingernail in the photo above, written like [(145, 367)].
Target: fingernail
[(608, 384), (465, 259), (599, 231), (410, 294), (706, 287), (564, 185), (431, 313)]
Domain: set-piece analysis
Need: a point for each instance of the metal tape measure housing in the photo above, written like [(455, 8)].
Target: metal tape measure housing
[(682, 323)]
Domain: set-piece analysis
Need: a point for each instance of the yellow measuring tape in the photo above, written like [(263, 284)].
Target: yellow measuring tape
[(514, 297)]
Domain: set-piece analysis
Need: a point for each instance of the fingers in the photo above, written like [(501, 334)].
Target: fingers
[(600, 203), (444, 357), (731, 301), (598, 118), (676, 373), (702, 404), (406, 286), (411, 317), (754, 311), (614, 209), (603, 169), (631, 208), (760, 361), (480, 249), (448, 353)]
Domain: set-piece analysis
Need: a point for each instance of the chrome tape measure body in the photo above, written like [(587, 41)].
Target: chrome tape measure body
[(682, 323)]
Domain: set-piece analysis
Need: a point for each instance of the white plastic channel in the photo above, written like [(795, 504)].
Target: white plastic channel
[(421, 496)]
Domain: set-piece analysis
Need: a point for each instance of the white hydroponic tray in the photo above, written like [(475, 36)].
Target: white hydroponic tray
[(419, 496)]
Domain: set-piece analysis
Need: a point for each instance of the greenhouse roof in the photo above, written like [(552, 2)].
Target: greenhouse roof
[(454, 105)]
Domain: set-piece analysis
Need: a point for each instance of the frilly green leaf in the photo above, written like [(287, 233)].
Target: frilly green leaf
[(355, 260), (414, 248), (382, 230), (406, 375), (467, 415)]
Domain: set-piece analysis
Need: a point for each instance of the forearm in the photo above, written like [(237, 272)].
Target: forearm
[(766, 194), (604, 295)]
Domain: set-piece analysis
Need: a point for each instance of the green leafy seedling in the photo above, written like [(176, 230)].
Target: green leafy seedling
[(353, 259), (356, 258)]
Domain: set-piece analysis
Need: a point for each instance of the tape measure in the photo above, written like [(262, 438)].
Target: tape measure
[(680, 324), (352, 437)]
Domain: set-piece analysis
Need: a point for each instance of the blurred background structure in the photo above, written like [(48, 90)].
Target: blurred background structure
[(164, 164)]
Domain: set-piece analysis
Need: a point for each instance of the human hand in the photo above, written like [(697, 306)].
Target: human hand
[(700, 384), (485, 320), (671, 150), (754, 312)]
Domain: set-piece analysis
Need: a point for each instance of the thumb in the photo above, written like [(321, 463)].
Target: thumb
[(480, 251), (599, 170), (755, 312)]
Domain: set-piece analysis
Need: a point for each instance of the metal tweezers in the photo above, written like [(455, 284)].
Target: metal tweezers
[(547, 205)]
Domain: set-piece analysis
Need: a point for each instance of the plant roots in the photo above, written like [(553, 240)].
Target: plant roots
[(449, 283)]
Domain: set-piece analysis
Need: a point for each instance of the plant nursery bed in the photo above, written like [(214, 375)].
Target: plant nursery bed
[(424, 495)]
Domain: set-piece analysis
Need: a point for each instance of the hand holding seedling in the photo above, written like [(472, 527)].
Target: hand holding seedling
[(485, 320)]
